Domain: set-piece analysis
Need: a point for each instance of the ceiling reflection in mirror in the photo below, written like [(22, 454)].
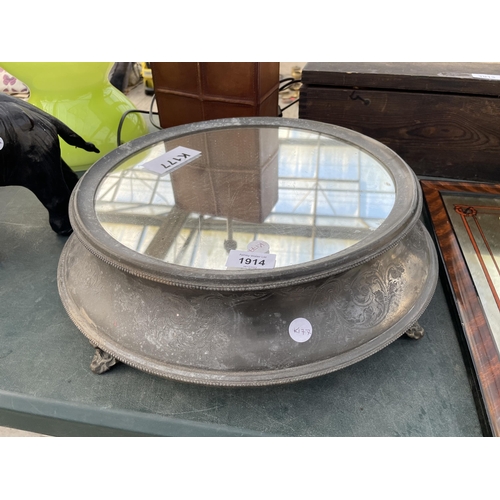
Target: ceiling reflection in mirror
[(307, 195)]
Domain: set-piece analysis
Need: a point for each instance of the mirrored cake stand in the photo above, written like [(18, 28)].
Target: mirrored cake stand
[(246, 252)]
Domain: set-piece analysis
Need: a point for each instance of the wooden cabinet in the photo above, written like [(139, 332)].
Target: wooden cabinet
[(443, 119)]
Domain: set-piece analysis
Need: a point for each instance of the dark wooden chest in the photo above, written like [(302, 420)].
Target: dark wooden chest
[(443, 119)]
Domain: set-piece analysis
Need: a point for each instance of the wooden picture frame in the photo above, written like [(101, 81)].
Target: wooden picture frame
[(480, 339)]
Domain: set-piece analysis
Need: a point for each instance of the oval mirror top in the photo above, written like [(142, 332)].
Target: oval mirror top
[(291, 193)]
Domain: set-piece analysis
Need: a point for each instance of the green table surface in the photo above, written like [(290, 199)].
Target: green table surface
[(410, 388)]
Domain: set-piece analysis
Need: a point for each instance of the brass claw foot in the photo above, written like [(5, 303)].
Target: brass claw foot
[(415, 331), (102, 361)]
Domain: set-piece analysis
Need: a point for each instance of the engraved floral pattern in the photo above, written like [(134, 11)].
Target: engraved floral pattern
[(371, 295), (365, 296), (176, 330)]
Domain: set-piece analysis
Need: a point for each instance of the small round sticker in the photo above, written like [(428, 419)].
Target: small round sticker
[(258, 246), (1, 143), (300, 330)]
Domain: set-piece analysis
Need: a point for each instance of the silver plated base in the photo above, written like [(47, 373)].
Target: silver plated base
[(243, 338)]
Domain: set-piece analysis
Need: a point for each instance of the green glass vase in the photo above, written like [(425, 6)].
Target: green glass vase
[(80, 95)]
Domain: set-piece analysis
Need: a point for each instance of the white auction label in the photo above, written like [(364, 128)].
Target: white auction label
[(486, 77), (300, 330), (250, 260), (1, 143), (171, 160)]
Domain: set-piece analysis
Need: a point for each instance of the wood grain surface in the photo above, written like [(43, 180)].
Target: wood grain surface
[(455, 136), (455, 77), (477, 333)]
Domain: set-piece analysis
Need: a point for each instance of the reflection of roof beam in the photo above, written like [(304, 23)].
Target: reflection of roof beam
[(177, 222), (169, 228)]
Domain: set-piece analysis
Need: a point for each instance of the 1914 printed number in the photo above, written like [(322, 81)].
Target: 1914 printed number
[(255, 262)]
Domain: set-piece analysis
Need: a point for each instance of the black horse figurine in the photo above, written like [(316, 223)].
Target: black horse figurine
[(30, 156)]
